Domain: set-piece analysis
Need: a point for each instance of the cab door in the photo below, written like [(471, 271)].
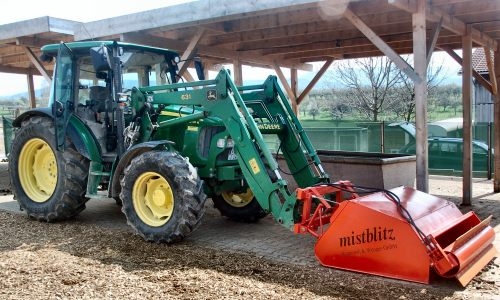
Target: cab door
[(63, 92)]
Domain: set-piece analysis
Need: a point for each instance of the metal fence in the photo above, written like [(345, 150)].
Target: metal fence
[(445, 142), (445, 155)]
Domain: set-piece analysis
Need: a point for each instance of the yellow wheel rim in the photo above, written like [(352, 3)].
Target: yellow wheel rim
[(37, 170), (153, 199), (238, 199)]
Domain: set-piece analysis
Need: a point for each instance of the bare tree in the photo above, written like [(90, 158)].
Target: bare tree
[(313, 108), (369, 82), (403, 104)]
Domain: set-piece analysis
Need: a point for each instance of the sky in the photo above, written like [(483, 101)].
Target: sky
[(82, 11), (92, 10)]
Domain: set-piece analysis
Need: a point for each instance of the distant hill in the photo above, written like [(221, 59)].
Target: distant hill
[(18, 96)]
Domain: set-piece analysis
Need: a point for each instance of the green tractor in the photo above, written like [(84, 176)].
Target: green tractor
[(113, 129)]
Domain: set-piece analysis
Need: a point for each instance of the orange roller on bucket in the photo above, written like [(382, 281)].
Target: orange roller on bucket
[(401, 233)]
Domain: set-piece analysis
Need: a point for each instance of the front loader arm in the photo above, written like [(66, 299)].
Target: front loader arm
[(220, 98)]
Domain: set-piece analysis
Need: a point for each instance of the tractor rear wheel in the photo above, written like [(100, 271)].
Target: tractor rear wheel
[(239, 207), (49, 184), (162, 196)]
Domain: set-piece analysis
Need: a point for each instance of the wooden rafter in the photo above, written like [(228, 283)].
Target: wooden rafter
[(434, 14), (433, 40), (38, 65), (381, 45), (33, 42), (190, 51), (491, 70), (475, 74), (221, 53), (315, 80), (17, 70)]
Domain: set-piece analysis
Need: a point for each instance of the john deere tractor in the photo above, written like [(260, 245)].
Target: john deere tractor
[(114, 129)]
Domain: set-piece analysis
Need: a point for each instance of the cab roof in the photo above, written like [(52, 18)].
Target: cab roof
[(83, 47)]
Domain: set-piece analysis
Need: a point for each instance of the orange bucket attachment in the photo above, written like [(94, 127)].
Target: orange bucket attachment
[(373, 234)]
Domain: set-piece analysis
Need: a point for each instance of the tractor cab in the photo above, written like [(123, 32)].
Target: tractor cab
[(93, 79)]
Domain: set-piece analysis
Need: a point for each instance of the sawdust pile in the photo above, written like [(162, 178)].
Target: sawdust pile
[(71, 260)]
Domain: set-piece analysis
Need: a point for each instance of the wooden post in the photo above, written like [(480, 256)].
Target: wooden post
[(31, 90), (294, 85), (496, 118), (420, 67), (467, 118), (238, 72), (159, 78)]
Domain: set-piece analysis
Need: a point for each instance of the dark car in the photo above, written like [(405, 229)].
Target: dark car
[(447, 153)]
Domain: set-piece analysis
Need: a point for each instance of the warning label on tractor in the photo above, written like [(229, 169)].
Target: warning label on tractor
[(254, 165)]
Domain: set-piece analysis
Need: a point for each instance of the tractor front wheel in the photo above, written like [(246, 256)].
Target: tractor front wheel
[(49, 184), (239, 206), (162, 196)]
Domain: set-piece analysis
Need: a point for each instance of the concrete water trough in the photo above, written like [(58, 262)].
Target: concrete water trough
[(369, 169)]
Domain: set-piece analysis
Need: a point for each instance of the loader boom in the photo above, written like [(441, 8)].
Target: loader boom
[(239, 109)]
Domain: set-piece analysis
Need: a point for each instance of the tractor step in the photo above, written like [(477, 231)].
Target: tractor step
[(100, 173), (98, 195)]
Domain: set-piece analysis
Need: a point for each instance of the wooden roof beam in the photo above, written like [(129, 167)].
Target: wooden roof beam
[(381, 45), (211, 51), (187, 14), (384, 21), (9, 50), (19, 58), (491, 70), (37, 26), (380, 23), (38, 65), (17, 70), (475, 74), (33, 42), (315, 80), (190, 51), (434, 14), (431, 43), (334, 46)]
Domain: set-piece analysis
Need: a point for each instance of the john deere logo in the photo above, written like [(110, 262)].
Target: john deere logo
[(211, 95)]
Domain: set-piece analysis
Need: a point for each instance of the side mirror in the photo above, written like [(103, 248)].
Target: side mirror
[(101, 58), (101, 75)]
